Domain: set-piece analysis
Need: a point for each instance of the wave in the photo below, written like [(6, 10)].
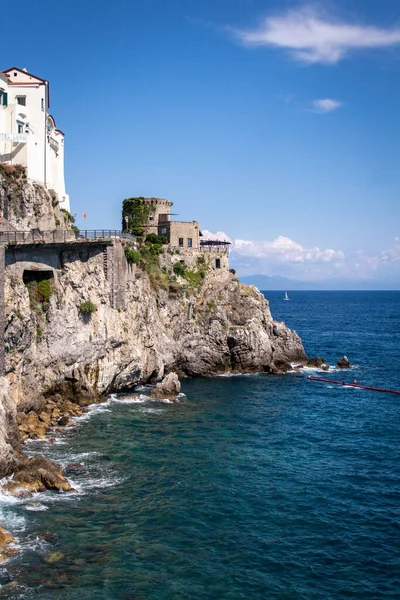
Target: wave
[(229, 374)]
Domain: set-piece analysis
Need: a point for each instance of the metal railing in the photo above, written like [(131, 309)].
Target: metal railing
[(61, 235), (202, 248)]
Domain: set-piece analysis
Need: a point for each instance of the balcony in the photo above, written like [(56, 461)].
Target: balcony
[(54, 145)]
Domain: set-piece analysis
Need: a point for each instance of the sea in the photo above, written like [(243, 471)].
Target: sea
[(255, 487)]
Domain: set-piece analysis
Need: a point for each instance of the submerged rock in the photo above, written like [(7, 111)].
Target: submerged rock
[(169, 387), (343, 363)]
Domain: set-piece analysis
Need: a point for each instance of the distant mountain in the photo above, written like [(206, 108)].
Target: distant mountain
[(264, 282)]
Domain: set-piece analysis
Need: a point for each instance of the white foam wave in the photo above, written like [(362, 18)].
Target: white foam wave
[(95, 483), (229, 374), (35, 506), (136, 399), (152, 410)]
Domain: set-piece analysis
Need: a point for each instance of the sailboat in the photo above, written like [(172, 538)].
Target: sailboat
[(286, 297)]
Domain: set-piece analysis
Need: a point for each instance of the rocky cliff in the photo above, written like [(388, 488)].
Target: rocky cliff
[(54, 346), (78, 326), (28, 206)]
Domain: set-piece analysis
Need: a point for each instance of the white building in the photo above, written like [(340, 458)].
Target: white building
[(28, 133)]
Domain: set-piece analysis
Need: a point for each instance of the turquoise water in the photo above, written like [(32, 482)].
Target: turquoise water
[(250, 487)]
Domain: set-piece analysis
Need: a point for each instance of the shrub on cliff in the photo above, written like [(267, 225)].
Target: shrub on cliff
[(39, 294), (159, 240), (132, 256), (87, 308), (179, 269)]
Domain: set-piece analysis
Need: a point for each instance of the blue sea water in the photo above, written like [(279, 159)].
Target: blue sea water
[(251, 487)]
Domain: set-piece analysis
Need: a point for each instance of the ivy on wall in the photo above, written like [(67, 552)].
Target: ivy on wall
[(138, 212)]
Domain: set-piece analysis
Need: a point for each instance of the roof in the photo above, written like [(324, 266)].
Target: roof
[(39, 81), (25, 73)]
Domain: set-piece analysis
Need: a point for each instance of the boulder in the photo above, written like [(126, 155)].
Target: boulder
[(38, 474), (6, 550), (169, 387), (317, 363), (343, 363)]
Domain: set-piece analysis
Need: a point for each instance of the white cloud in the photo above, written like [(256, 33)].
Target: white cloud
[(285, 257), (219, 235), (311, 36), (326, 105), (284, 250)]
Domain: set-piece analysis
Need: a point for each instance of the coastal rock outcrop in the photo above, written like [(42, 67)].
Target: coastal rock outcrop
[(84, 318), (343, 363), (317, 363), (7, 545), (37, 474), (53, 353), (168, 388)]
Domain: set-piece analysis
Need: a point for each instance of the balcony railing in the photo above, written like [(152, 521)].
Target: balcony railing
[(61, 235)]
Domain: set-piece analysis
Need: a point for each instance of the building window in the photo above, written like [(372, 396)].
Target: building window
[(190, 242), (15, 74), (20, 128), (42, 104), (180, 242), (3, 98), (21, 100), (163, 231), (217, 263)]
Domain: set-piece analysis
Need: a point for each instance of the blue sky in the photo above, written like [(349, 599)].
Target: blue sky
[(273, 121)]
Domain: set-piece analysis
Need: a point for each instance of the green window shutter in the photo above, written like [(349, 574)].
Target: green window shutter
[(5, 99)]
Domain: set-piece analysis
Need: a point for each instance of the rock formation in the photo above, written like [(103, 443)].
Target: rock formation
[(28, 206), (343, 363), (168, 388), (55, 351), (71, 339)]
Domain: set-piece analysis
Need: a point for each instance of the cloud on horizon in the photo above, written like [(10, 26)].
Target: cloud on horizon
[(285, 257), (326, 105), (311, 35)]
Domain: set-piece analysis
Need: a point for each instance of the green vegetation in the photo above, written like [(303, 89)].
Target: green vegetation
[(132, 256), (39, 294), (147, 257), (159, 240), (87, 308), (138, 212), (67, 216), (75, 229), (18, 313), (39, 334), (194, 277), (179, 269)]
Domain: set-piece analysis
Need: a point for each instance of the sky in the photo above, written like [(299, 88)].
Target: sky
[(274, 122)]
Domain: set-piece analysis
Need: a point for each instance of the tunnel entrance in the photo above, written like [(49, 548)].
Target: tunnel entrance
[(30, 275)]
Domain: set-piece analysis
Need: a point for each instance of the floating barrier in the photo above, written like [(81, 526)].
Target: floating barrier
[(354, 384)]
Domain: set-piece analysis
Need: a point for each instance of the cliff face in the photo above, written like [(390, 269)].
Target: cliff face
[(80, 322), (26, 205), (52, 347), (10, 447)]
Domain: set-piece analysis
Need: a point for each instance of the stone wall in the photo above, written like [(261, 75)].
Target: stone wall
[(184, 230), (190, 257)]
